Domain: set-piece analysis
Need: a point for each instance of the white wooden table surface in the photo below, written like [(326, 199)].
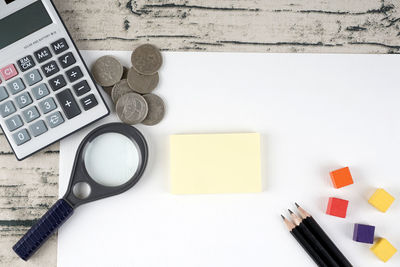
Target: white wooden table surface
[(28, 188)]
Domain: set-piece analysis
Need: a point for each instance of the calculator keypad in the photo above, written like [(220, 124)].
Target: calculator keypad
[(26, 63), (57, 83), (43, 54), (16, 86), (30, 90), (50, 68), (23, 100), (67, 60), (32, 77)]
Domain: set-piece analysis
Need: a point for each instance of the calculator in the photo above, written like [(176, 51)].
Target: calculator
[(46, 90)]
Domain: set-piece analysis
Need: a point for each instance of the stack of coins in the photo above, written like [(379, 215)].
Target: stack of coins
[(130, 89)]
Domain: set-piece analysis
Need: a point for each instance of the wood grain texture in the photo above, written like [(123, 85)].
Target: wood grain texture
[(29, 187)]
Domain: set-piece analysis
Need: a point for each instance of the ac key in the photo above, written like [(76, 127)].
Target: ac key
[(68, 104)]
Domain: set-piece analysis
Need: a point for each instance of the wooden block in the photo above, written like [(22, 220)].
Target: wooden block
[(337, 207), (341, 177), (364, 233), (383, 249), (381, 200)]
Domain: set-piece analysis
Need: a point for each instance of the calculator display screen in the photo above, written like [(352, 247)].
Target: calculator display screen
[(22, 23)]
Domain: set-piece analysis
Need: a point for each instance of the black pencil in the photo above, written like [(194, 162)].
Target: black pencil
[(323, 238), (303, 242), (313, 241)]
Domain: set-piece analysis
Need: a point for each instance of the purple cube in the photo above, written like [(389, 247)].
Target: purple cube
[(364, 233)]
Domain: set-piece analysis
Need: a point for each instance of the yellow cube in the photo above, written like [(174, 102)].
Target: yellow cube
[(381, 200), (383, 249)]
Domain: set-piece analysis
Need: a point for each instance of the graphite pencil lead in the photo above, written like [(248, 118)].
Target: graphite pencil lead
[(283, 217), (291, 212), (297, 205)]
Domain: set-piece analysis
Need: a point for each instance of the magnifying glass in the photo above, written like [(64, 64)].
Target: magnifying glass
[(110, 160)]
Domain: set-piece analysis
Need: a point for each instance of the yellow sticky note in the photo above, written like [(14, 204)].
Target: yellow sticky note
[(215, 163)]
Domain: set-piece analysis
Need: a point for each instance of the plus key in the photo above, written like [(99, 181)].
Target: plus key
[(68, 104)]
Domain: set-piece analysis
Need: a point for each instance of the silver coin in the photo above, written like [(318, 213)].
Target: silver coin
[(107, 71), (120, 89), (146, 59), (132, 108), (125, 73), (156, 108), (108, 89), (142, 84)]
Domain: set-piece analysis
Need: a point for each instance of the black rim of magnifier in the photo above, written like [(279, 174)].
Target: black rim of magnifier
[(80, 174)]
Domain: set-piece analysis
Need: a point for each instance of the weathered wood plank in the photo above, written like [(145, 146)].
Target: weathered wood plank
[(27, 188), (358, 26)]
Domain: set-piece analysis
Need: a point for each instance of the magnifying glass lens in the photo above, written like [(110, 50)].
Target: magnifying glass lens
[(111, 159)]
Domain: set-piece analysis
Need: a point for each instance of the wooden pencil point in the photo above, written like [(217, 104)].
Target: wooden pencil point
[(291, 212), (283, 217), (297, 205)]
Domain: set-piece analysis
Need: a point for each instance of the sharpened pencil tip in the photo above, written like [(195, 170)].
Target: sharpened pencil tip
[(291, 212), (297, 205), (283, 217)]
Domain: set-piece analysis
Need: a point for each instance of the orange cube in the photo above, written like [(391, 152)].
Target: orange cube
[(341, 177)]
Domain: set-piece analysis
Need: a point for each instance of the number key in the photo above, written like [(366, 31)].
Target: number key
[(50, 68), (14, 123), (23, 100), (43, 54), (3, 93), (33, 77), (40, 91), (16, 86), (21, 137), (7, 108), (67, 60), (47, 105), (30, 114)]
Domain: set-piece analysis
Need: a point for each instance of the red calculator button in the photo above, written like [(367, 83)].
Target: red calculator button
[(8, 72)]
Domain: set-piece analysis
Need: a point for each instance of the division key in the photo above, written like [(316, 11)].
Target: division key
[(68, 104)]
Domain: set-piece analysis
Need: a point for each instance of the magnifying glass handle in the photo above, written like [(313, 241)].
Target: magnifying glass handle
[(43, 229)]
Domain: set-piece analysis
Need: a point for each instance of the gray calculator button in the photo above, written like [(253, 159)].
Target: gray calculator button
[(54, 119), (23, 100), (3, 93), (7, 108), (38, 128), (40, 91), (21, 137), (16, 86), (14, 123), (30, 114), (47, 105), (32, 77)]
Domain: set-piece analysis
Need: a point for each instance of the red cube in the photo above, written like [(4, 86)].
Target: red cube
[(337, 207)]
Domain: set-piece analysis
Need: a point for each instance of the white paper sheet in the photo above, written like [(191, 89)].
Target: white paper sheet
[(315, 112)]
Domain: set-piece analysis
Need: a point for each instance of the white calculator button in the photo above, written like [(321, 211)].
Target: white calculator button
[(3, 93), (23, 100), (7, 108), (21, 137), (38, 128), (47, 105), (32, 77), (54, 119), (14, 123), (16, 86), (30, 114), (40, 91)]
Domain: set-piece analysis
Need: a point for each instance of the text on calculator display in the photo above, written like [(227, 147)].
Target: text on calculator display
[(23, 23)]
